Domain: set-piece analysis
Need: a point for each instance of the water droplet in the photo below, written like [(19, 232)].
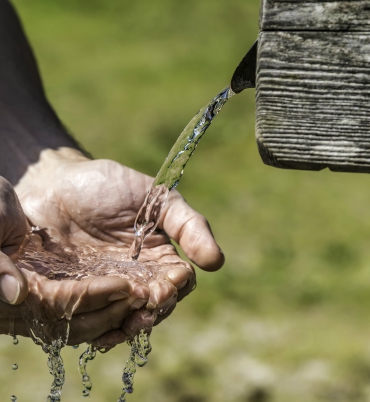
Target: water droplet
[(58, 382), (15, 366), (15, 341), (75, 346), (87, 356), (140, 361), (129, 390), (13, 398)]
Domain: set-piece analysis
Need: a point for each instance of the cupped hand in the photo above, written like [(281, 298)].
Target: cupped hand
[(107, 301), (93, 204)]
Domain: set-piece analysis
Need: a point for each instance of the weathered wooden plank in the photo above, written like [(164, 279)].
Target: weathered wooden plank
[(298, 15), (313, 100)]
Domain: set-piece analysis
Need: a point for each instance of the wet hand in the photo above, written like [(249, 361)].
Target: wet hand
[(94, 203), (96, 305)]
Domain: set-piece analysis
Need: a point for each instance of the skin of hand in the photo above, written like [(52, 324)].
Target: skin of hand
[(13, 226), (83, 202), (94, 203), (107, 301)]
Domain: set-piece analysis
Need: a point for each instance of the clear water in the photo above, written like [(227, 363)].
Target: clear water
[(140, 349), (80, 263), (54, 361), (172, 169), (88, 355), (56, 369)]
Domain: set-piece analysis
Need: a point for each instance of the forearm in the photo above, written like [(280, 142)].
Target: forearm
[(28, 124)]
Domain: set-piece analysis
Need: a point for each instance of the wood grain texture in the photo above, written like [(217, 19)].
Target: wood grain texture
[(298, 15), (313, 100)]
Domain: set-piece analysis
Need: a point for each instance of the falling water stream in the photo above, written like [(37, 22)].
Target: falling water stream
[(172, 169), (52, 335)]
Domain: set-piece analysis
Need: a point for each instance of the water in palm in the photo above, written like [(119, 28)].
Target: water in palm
[(72, 264)]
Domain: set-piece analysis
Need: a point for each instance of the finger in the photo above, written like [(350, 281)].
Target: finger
[(183, 277), (88, 326), (192, 232), (99, 292), (163, 316), (102, 291), (13, 285), (142, 319), (163, 294), (85, 326), (179, 275), (110, 339), (137, 321), (63, 298)]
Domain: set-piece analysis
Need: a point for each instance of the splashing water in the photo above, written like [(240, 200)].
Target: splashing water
[(61, 264), (88, 355), (140, 349), (81, 263), (56, 369), (55, 361), (172, 170)]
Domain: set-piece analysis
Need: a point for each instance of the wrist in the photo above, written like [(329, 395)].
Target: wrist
[(21, 148), (44, 169)]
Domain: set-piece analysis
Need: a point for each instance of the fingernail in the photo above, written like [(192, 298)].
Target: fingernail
[(9, 289), (138, 304), (118, 296)]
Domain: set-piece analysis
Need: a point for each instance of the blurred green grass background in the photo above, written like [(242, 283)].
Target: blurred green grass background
[(286, 319)]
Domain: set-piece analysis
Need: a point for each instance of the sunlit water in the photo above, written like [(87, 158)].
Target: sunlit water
[(88, 355), (140, 349), (78, 264), (172, 169)]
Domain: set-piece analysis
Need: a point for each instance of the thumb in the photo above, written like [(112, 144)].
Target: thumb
[(13, 285), (192, 232)]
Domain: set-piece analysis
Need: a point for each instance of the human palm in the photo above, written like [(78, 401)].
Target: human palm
[(84, 203)]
